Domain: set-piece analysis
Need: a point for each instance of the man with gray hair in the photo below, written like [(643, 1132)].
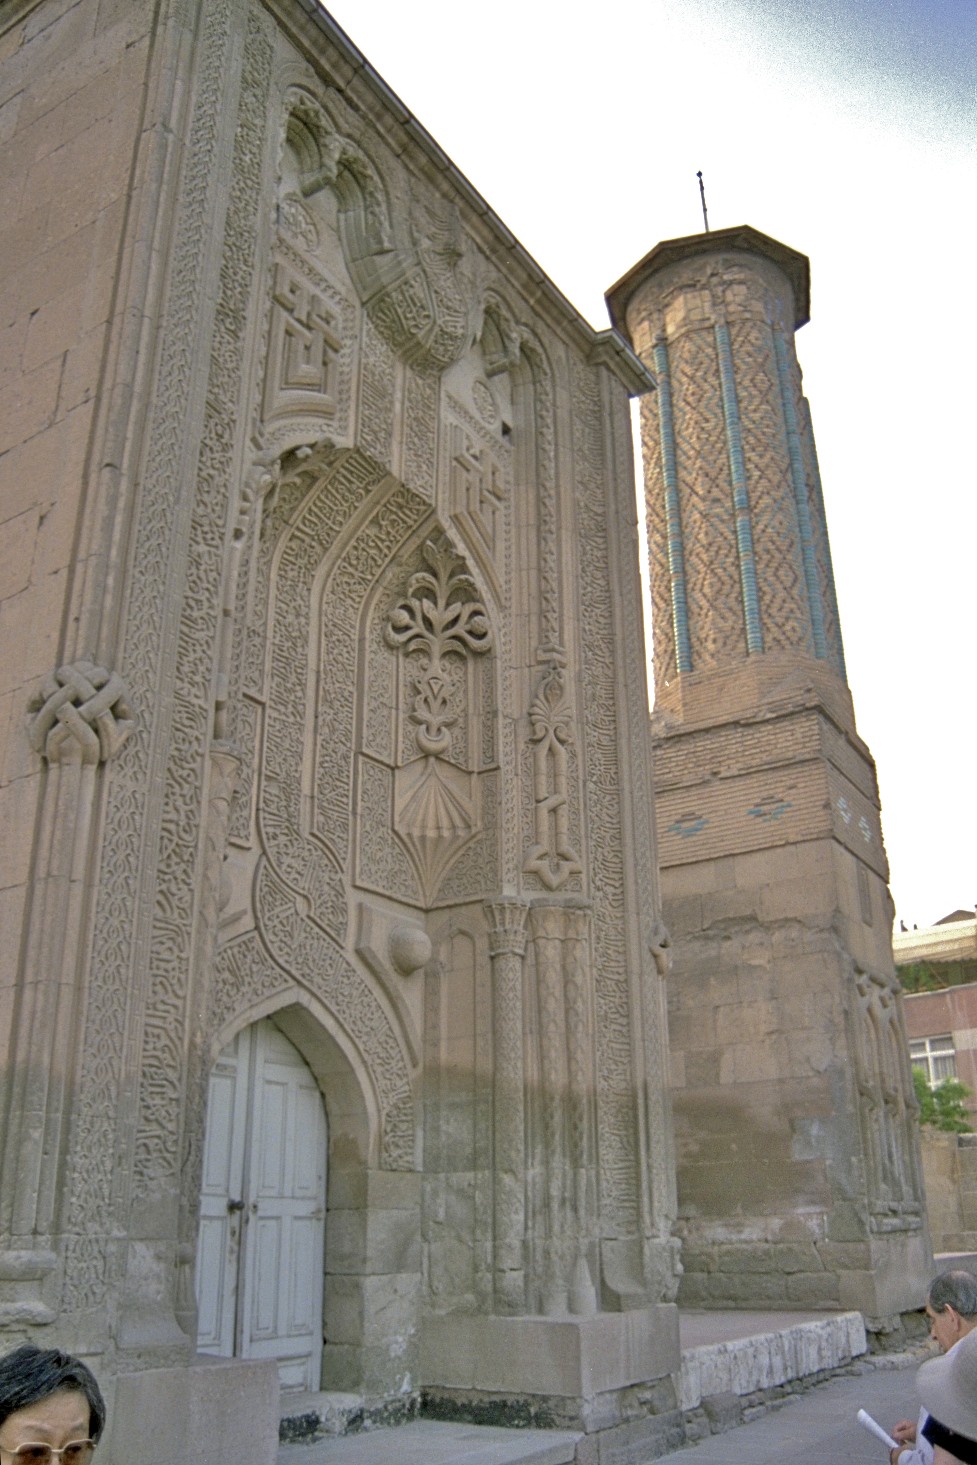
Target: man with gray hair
[(951, 1307)]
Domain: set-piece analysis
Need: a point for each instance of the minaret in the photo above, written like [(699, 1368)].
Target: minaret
[(799, 1177)]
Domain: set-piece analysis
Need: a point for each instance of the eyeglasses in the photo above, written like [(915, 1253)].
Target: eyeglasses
[(76, 1452)]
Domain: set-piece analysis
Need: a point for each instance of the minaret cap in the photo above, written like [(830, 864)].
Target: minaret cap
[(743, 237)]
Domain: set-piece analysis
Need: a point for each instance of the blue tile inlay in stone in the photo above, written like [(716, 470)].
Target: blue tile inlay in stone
[(688, 824), (769, 809), (741, 501), (799, 483), (673, 518)]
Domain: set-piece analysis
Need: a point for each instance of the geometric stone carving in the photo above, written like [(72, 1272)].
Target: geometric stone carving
[(303, 349), (552, 857), (477, 484), (81, 715)]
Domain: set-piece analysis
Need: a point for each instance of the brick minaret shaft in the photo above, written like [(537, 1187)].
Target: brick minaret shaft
[(799, 1178)]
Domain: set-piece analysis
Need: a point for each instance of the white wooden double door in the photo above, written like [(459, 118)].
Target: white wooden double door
[(262, 1213)]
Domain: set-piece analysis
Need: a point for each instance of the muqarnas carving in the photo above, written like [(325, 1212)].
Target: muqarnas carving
[(439, 628)]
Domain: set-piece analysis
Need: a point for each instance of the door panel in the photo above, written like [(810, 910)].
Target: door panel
[(219, 1242), (266, 1148)]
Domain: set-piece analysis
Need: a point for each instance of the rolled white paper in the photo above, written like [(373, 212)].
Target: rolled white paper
[(865, 1419)]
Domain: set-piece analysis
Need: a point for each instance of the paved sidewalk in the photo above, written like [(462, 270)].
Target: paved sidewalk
[(818, 1425), (429, 1442)]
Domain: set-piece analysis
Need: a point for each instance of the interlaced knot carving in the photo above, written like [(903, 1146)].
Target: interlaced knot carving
[(440, 616), (81, 714)]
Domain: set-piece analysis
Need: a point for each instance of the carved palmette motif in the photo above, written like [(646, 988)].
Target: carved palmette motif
[(439, 627)]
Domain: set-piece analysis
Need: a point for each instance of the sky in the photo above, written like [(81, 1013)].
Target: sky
[(848, 131)]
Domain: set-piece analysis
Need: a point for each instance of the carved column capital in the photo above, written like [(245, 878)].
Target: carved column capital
[(507, 926), (81, 715)]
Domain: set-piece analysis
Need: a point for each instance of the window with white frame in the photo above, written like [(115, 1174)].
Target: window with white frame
[(935, 1056)]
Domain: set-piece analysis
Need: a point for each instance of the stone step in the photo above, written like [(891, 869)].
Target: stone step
[(729, 1361), (433, 1442), (747, 1353), (308, 1417)]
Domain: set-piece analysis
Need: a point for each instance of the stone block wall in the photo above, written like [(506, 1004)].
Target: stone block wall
[(950, 1176), (71, 92)]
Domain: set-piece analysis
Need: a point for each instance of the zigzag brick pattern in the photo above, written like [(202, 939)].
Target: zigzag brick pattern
[(784, 611), (716, 621), (661, 604)]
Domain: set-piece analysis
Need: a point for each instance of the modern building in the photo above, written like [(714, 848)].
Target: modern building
[(938, 968)]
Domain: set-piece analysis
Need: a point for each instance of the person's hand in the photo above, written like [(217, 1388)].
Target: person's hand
[(895, 1454), (904, 1432)]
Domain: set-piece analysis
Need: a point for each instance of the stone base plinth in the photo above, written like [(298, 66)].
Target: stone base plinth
[(216, 1411), (772, 1352), (896, 1280), (553, 1369)]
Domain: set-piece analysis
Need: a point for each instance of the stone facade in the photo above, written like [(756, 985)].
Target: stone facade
[(950, 1173), (325, 773), (798, 1163)]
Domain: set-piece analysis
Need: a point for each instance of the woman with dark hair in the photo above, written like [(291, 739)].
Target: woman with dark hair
[(51, 1408)]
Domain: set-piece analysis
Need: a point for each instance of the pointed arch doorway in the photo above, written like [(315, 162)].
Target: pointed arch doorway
[(262, 1208)]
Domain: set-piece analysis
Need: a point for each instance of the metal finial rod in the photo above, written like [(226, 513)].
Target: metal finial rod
[(702, 195)]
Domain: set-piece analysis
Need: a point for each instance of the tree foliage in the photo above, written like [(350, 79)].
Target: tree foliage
[(935, 976), (943, 1108)]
